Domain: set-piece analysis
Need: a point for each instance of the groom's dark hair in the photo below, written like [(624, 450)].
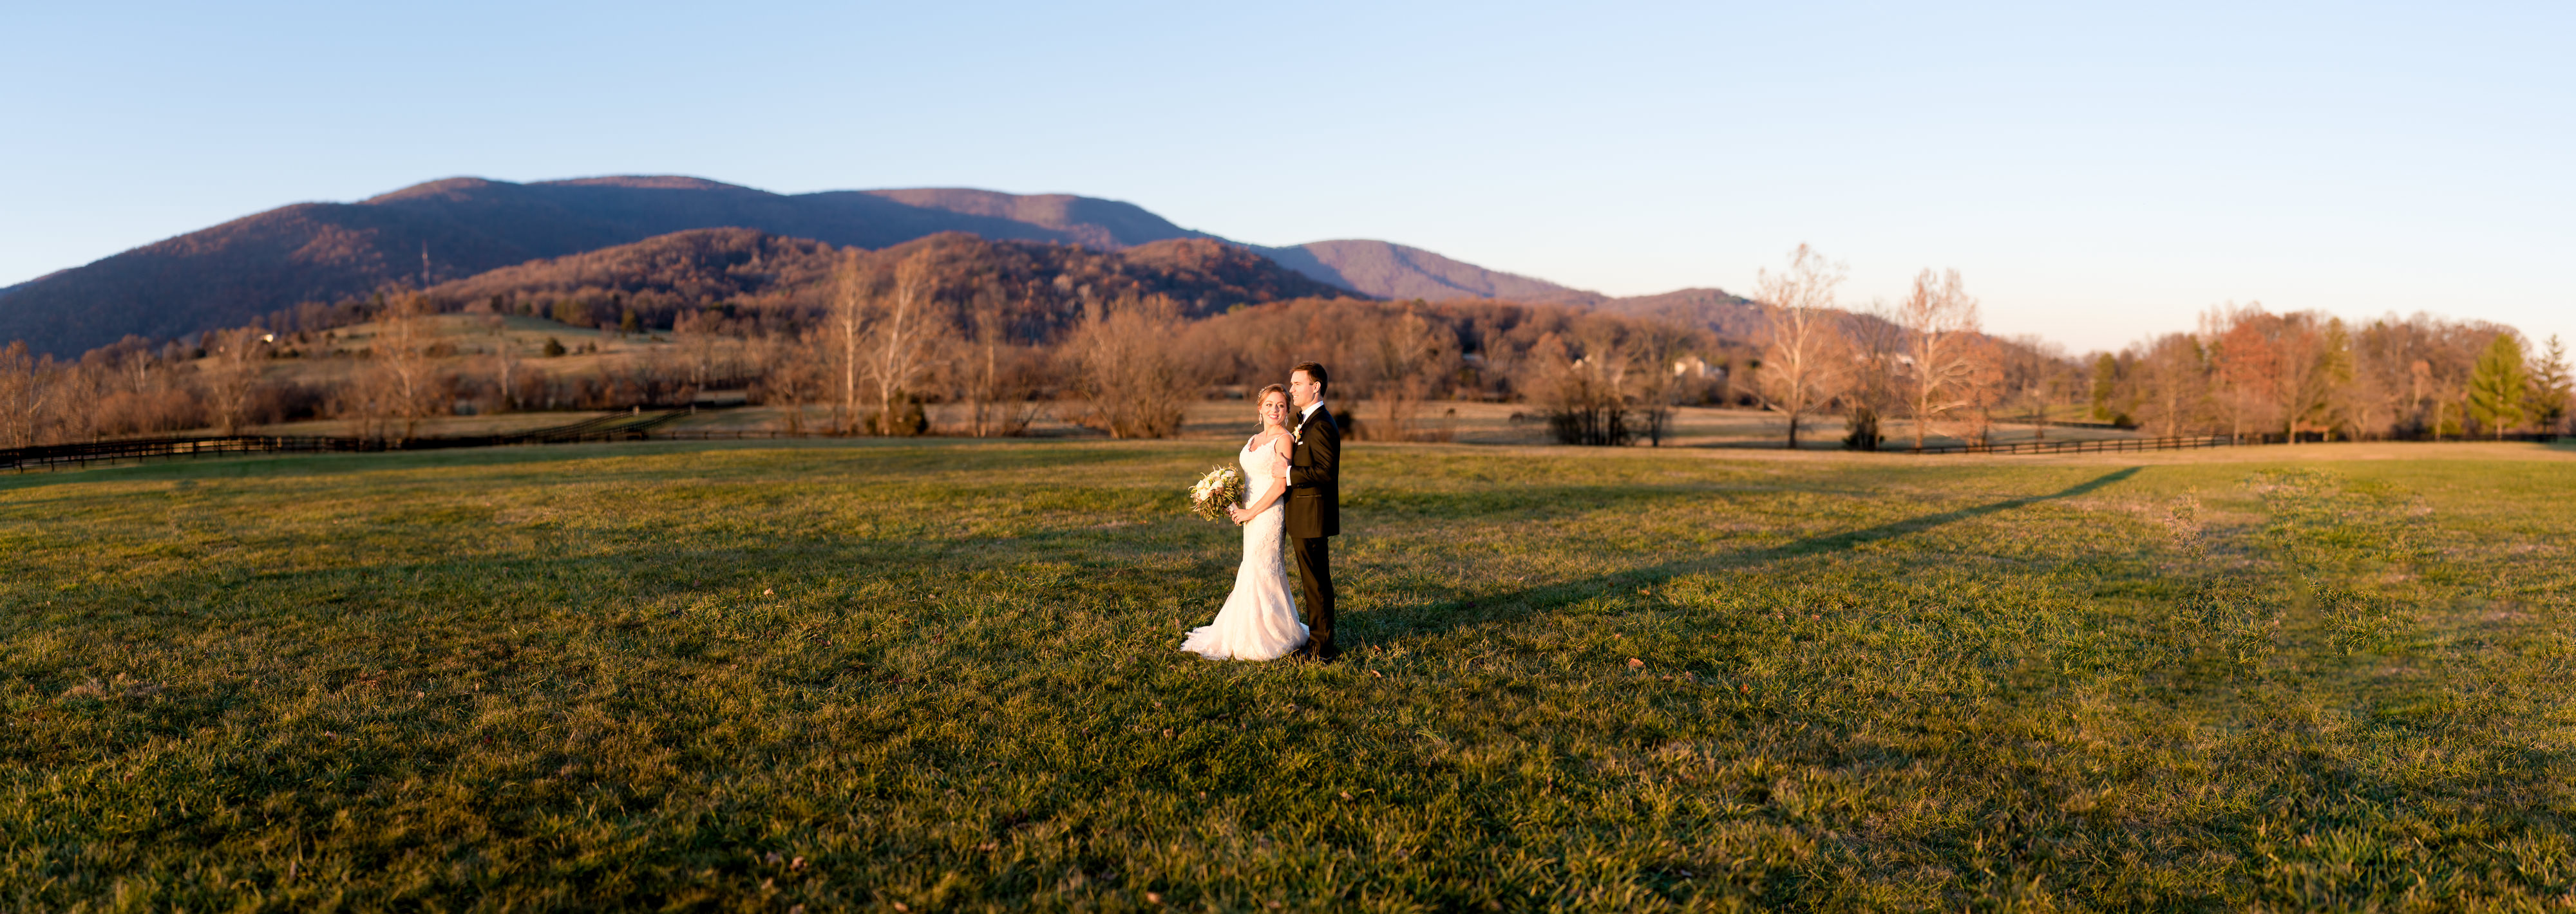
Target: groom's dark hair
[(1314, 370)]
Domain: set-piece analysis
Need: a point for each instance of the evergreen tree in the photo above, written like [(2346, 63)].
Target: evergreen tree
[(2106, 383), (2498, 384), (2549, 387)]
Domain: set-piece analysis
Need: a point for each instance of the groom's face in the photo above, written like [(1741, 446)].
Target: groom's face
[(1303, 391)]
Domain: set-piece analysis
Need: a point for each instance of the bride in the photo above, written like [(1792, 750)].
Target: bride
[(1259, 621)]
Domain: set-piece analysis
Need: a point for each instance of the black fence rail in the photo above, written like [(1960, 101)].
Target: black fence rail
[(2087, 446), (2188, 442), (633, 426)]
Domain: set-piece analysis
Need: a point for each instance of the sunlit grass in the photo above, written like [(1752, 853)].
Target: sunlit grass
[(850, 675)]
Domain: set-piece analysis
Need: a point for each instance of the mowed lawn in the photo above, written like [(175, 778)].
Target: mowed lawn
[(941, 676)]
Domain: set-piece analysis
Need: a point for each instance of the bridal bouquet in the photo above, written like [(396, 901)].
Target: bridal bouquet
[(1220, 489)]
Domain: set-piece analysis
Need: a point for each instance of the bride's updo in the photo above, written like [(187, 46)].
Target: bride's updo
[(1264, 395)]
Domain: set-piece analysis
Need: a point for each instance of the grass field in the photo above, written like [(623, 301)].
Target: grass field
[(940, 676)]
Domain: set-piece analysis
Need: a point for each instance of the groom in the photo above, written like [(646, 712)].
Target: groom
[(1314, 474)]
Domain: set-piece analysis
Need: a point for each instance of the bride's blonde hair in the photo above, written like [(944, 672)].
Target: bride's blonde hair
[(1279, 389)]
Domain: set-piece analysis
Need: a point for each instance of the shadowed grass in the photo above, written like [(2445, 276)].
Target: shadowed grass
[(850, 675)]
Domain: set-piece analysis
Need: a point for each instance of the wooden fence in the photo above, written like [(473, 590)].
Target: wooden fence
[(634, 426)]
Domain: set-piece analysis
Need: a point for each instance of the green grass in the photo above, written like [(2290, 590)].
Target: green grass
[(943, 675)]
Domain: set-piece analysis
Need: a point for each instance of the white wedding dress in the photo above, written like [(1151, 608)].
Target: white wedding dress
[(1259, 621)]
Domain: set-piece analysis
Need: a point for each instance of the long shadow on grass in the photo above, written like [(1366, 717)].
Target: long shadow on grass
[(1441, 618)]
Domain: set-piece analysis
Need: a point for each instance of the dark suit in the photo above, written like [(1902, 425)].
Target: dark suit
[(1315, 515)]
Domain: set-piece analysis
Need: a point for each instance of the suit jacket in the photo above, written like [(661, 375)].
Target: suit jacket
[(1315, 478)]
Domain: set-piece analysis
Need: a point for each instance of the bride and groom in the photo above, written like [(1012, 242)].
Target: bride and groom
[(1292, 484)]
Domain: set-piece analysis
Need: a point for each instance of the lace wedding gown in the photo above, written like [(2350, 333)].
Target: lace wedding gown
[(1259, 621)]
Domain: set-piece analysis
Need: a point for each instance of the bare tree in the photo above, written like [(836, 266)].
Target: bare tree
[(506, 369), (1941, 341), (1586, 385), (1135, 381), (907, 335), (27, 393), (1873, 353), (1403, 363), (1798, 364), (402, 362), (2172, 378), (848, 326), (232, 370), (697, 333), (1666, 355), (2037, 377), (796, 372), (996, 399)]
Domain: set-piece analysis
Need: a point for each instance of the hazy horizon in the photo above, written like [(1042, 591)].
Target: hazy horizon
[(2097, 176)]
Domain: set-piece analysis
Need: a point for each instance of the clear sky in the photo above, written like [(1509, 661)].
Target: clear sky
[(2098, 172)]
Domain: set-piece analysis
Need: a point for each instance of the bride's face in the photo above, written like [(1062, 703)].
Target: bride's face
[(1274, 409)]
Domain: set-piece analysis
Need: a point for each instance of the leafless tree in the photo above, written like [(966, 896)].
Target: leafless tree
[(795, 372), (1665, 354), (848, 327), (1940, 321), (2172, 377), (997, 399), (2035, 379), (1133, 379), (507, 372), (1406, 361), (1586, 384), (403, 364), (233, 362), (1799, 373), (906, 340), (27, 391), (1873, 354)]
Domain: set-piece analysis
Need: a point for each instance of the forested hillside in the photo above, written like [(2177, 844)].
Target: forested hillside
[(1044, 286), (448, 230), (230, 274)]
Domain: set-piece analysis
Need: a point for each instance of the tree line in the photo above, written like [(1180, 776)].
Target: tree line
[(2305, 375), (855, 342), (1923, 367)]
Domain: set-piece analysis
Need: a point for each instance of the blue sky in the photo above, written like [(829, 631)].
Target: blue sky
[(2097, 174)]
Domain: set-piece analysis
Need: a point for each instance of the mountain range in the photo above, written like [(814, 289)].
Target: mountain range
[(453, 229)]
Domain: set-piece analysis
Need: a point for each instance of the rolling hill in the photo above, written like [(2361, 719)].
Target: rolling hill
[(453, 229), (1388, 270), (233, 273), (1043, 284)]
